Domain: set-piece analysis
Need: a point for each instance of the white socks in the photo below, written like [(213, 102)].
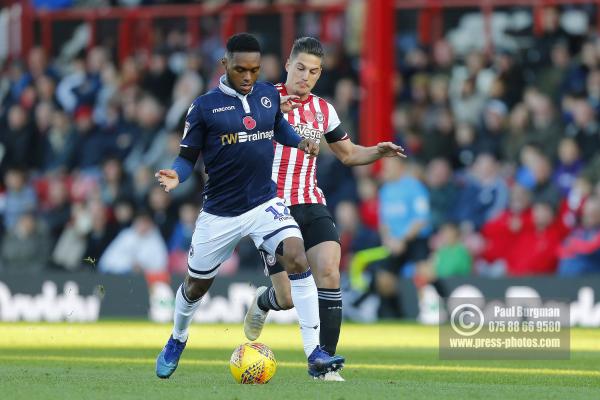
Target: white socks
[(304, 296), (184, 312), (306, 301)]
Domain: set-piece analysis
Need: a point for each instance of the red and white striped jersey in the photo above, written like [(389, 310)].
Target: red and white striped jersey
[(294, 173)]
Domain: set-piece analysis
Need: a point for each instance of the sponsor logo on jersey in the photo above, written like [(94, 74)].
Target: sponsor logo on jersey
[(265, 101), (249, 122), (243, 137), (221, 109), (307, 132)]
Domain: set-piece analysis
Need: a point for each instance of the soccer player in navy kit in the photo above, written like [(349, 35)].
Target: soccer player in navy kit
[(233, 126)]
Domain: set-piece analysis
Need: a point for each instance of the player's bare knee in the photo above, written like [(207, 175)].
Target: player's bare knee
[(328, 276), (296, 263), (294, 258), (194, 291), (196, 288), (300, 261)]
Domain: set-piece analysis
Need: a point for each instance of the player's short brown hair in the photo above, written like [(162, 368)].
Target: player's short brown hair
[(308, 45)]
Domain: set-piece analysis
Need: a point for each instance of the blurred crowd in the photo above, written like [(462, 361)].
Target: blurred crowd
[(502, 177), (503, 174), (63, 4), (80, 142)]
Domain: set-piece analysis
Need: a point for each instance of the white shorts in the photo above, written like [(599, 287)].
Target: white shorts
[(216, 237)]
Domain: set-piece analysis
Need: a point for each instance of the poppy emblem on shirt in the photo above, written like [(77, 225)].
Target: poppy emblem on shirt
[(266, 102), (249, 122), (320, 117), (308, 116)]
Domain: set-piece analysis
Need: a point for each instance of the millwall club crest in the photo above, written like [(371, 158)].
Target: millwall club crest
[(320, 117), (271, 260), (265, 102), (249, 122)]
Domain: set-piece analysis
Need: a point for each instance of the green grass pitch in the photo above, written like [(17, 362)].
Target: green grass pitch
[(115, 360)]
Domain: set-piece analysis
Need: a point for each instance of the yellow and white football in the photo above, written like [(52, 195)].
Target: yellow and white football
[(252, 363)]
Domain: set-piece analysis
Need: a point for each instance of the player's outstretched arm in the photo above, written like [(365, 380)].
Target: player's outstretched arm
[(352, 154), (189, 150), (182, 168), (168, 179)]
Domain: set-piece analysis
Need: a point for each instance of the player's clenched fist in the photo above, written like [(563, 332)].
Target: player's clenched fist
[(168, 179), (309, 146)]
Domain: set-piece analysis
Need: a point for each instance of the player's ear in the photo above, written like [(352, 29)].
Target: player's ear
[(224, 62), (287, 65)]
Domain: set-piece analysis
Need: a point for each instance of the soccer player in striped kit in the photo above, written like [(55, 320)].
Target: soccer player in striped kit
[(295, 174)]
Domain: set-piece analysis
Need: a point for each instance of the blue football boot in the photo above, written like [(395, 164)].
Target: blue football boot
[(320, 363), (167, 360)]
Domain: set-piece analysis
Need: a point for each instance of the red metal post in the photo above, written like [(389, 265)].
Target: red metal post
[(487, 11), (46, 24), (538, 13), (430, 22), (327, 17), (233, 21), (376, 73), (424, 26), (227, 24), (438, 22), (125, 38), (193, 28), (91, 21), (288, 31), (27, 21), (144, 34)]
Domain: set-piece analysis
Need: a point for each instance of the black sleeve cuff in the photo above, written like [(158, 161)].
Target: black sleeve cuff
[(336, 135)]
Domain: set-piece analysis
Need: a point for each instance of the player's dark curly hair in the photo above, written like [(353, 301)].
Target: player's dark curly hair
[(308, 45), (242, 43)]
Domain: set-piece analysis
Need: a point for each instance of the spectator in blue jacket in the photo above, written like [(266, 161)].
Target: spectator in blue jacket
[(580, 252), (484, 194)]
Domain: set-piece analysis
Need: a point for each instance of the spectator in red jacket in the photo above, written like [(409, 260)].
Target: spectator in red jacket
[(501, 232), (535, 251)]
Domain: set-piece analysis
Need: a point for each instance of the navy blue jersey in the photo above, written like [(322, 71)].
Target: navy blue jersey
[(235, 135)]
